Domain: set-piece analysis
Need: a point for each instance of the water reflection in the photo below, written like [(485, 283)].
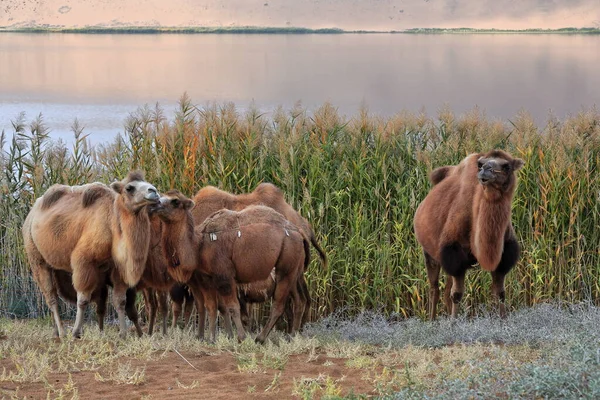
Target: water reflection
[(499, 73)]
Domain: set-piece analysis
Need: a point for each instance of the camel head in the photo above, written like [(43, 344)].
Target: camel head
[(135, 192), (173, 207), (496, 169)]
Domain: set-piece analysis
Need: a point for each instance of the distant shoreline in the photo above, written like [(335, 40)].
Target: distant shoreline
[(285, 30)]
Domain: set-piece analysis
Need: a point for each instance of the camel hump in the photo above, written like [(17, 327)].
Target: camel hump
[(52, 195), (92, 193), (209, 191), (269, 190), (438, 174)]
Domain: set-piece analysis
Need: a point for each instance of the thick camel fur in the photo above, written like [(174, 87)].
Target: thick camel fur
[(210, 199), (244, 247), (79, 229), (465, 219)]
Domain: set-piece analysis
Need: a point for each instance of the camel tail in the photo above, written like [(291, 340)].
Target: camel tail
[(306, 253), (439, 174), (322, 254)]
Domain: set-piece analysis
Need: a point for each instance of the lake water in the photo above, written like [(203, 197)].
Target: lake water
[(100, 79)]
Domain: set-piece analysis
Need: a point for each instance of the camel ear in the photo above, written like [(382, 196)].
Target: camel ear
[(517, 164), (117, 187), (188, 204)]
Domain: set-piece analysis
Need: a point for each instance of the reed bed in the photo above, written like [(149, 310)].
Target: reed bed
[(358, 181)]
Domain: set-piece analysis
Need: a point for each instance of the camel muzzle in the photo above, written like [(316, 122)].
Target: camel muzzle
[(152, 196), (485, 176)]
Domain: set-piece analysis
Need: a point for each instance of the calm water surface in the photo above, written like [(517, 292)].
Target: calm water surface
[(100, 79)]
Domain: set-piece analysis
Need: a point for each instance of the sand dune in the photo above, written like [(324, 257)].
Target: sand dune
[(344, 14)]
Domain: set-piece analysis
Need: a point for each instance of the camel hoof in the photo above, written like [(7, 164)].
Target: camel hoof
[(259, 340), (77, 335)]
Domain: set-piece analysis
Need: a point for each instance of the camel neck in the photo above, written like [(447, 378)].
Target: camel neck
[(179, 245), (491, 220), (131, 241)]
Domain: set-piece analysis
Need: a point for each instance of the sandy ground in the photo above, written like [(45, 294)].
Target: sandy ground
[(344, 14), (216, 377)]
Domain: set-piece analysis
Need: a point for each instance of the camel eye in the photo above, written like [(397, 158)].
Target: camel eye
[(506, 168), (479, 164), (129, 189), (175, 203)]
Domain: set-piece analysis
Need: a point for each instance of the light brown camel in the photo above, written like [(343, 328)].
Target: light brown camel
[(465, 219), (210, 199), (79, 229), (244, 247)]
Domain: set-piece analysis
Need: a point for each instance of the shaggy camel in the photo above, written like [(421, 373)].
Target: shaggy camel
[(244, 247), (465, 219), (79, 229), (210, 199)]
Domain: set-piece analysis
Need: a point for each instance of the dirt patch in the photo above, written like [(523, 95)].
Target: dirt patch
[(215, 377)]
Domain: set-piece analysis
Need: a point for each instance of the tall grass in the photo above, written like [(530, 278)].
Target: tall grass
[(357, 180)]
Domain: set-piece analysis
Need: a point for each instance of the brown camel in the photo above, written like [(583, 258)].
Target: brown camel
[(465, 219), (79, 229), (244, 247), (210, 199)]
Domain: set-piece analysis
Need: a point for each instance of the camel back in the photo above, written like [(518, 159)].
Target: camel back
[(226, 220)]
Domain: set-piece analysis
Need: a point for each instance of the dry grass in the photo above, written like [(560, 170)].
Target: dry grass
[(518, 359)]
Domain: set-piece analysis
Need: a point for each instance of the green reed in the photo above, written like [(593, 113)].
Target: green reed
[(357, 180)]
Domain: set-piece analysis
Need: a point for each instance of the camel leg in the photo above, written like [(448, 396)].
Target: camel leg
[(120, 302), (227, 291), (43, 277), (83, 299), (226, 318), (279, 299), (458, 290), (298, 303), (510, 256), (200, 307), (164, 309), (177, 299), (306, 297), (188, 307), (131, 310), (433, 275), (498, 292), (176, 309), (150, 302), (211, 304), (233, 311), (245, 311), (447, 297), (101, 306), (455, 262), (289, 314)]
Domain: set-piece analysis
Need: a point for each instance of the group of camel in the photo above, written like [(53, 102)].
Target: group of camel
[(231, 250)]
